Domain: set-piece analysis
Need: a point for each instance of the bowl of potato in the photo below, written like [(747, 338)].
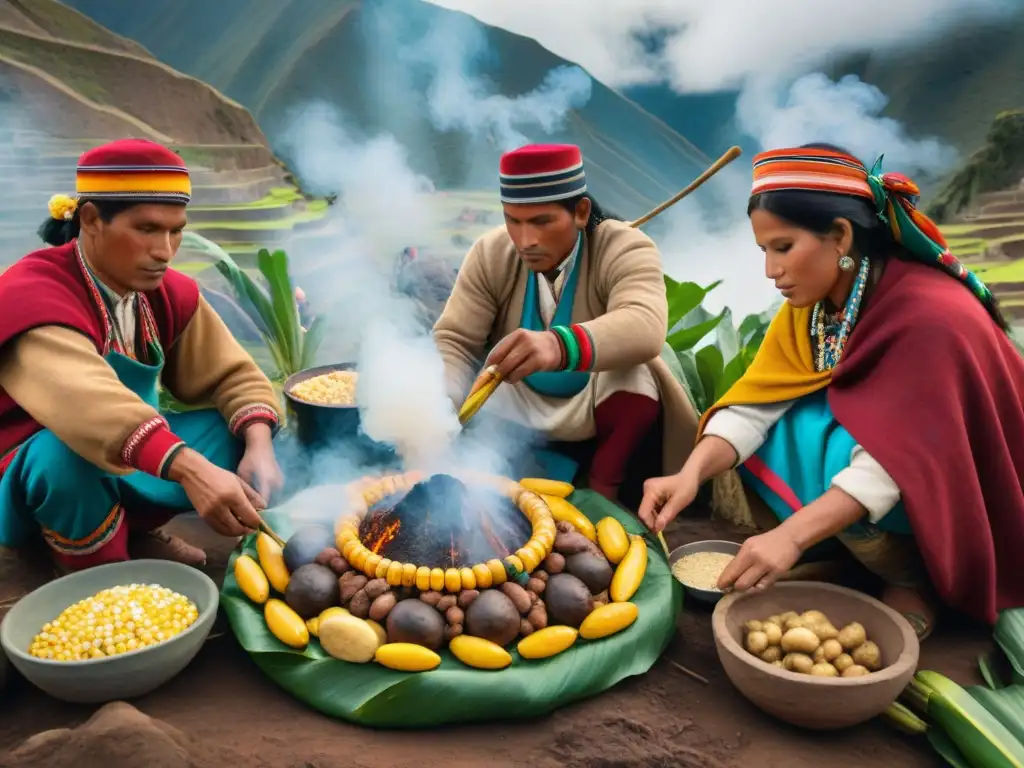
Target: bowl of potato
[(815, 655)]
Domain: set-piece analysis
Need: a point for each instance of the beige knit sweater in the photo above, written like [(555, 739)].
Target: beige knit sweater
[(620, 300)]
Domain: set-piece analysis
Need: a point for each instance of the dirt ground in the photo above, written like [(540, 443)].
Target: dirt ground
[(222, 711)]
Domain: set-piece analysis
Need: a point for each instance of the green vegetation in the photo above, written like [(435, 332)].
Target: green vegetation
[(708, 372), (279, 197), (271, 306)]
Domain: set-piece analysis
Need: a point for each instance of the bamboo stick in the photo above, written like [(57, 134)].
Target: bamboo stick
[(731, 154)]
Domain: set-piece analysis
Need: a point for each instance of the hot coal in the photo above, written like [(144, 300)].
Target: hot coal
[(442, 523)]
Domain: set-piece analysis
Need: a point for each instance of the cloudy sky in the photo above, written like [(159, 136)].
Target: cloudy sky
[(716, 44)]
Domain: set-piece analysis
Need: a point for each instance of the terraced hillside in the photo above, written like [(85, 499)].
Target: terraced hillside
[(66, 84), (990, 241), (983, 205)]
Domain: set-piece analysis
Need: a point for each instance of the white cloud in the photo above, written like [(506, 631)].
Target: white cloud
[(716, 44)]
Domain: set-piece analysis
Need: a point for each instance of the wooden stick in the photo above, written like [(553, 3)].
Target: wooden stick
[(270, 532), (689, 673), (731, 154)]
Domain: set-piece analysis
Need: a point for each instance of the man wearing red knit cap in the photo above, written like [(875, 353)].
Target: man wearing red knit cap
[(570, 305), (90, 329)]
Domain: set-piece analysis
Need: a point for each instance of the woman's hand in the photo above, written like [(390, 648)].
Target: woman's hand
[(761, 561), (666, 497)]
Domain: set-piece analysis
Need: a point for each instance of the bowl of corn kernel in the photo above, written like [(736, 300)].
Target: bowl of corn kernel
[(112, 632), (322, 407)]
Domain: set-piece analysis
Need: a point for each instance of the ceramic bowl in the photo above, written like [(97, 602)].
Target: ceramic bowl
[(124, 676), (708, 596), (820, 703)]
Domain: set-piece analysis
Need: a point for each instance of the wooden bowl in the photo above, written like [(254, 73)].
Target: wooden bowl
[(820, 703)]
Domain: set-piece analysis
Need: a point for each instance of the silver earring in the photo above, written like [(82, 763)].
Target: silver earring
[(846, 263)]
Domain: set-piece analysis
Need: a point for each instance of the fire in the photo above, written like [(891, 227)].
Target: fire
[(385, 536)]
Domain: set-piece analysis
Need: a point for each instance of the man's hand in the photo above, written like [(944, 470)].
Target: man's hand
[(524, 352), (259, 467), (761, 561), (666, 497), (226, 502)]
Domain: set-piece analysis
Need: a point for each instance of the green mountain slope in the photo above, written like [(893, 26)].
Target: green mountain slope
[(273, 55)]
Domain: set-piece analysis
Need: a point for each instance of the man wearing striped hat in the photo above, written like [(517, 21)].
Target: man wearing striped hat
[(570, 305), (90, 329)]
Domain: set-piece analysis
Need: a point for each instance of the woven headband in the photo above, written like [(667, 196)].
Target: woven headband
[(893, 195)]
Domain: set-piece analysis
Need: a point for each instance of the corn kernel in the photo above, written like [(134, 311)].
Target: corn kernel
[(115, 621), (334, 388)]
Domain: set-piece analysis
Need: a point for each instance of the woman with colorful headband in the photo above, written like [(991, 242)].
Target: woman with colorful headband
[(90, 330), (885, 406)]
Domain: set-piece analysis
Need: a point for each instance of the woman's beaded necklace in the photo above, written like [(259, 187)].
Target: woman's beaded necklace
[(831, 333)]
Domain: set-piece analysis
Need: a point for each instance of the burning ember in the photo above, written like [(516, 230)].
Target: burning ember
[(442, 523)]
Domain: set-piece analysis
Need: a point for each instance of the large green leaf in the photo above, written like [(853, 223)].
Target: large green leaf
[(688, 338), (683, 298), (372, 695), (274, 267), (688, 365), (710, 368), (311, 340)]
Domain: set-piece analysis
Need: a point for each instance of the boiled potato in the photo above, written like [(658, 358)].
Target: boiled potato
[(852, 635), (349, 639), (814, 617), (856, 670), (824, 670), (829, 651), (784, 617), (867, 655), (771, 654), (794, 622), (753, 626), (798, 662), (843, 662), (773, 632), (757, 642), (824, 630), (799, 640)]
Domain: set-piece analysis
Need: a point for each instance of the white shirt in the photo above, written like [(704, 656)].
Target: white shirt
[(746, 427)]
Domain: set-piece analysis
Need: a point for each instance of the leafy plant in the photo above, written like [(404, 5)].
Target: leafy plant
[(708, 370), (272, 308)]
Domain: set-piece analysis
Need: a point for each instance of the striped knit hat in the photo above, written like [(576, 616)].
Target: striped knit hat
[(893, 196), (128, 169), (542, 173)]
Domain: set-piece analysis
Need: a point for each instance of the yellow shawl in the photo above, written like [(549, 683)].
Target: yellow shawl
[(782, 370)]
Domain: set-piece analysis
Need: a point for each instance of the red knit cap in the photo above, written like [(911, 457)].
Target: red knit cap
[(542, 173), (133, 169)]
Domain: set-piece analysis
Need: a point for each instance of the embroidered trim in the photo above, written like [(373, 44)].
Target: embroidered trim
[(254, 412), (95, 541), (138, 437), (165, 462)]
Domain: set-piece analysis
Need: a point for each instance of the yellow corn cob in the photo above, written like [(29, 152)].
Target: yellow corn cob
[(980, 737), (547, 487)]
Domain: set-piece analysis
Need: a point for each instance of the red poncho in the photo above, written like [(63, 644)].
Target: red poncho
[(934, 391)]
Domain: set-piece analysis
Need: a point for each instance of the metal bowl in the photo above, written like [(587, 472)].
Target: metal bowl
[(113, 678), (709, 596), (325, 425)]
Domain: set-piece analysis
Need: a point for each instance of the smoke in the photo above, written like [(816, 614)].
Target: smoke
[(698, 46), (768, 54), (384, 207), (452, 53)]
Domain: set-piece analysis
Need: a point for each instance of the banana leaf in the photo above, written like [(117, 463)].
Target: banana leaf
[(946, 749), (371, 695), (274, 267), (683, 298), (688, 338)]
